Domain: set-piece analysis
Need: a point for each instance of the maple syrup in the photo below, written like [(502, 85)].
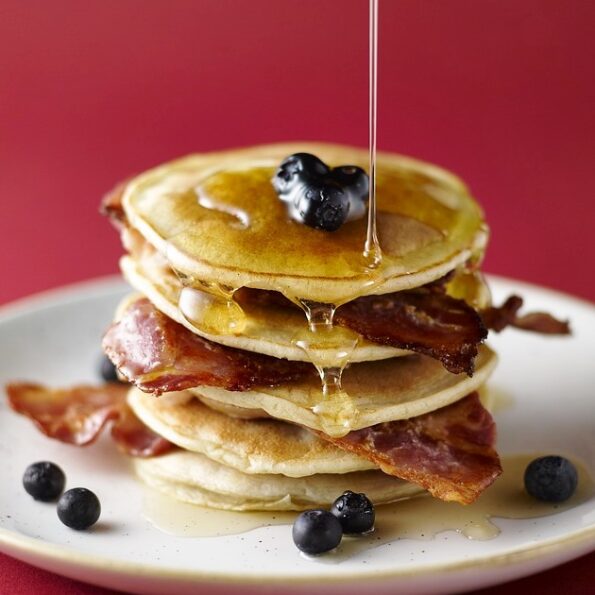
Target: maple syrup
[(420, 518), (210, 307)]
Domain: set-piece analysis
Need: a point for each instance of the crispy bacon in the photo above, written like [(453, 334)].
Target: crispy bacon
[(77, 415), (498, 318), (543, 323), (136, 439), (448, 452), (159, 355), (111, 205), (423, 320)]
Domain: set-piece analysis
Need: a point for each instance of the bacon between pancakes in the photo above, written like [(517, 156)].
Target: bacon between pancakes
[(77, 415), (160, 355), (420, 320), (449, 452), (425, 320)]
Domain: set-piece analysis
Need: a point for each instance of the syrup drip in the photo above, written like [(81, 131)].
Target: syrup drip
[(330, 351), (337, 411), (210, 307), (420, 518)]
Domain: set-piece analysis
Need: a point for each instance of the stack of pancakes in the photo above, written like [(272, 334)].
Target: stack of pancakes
[(265, 421)]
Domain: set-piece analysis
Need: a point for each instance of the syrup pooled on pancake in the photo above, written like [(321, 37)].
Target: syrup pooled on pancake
[(398, 388), (427, 225)]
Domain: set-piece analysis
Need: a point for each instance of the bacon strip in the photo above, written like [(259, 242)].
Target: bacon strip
[(77, 416), (498, 318), (448, 452), (422, 320), (159, 355), (135, 438), (111, 205)]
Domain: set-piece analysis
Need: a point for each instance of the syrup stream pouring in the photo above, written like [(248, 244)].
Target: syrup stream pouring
[(337, 411), (372, 251)]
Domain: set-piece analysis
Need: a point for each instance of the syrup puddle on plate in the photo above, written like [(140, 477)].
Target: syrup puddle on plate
[(420, 518)]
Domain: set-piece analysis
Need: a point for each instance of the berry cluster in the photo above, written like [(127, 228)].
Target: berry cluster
[(319, 196), (318, 531)]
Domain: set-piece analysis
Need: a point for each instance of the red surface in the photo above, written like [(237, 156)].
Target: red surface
[(500, 91)]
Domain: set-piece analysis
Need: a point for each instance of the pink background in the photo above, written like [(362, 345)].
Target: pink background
[(500, 91)]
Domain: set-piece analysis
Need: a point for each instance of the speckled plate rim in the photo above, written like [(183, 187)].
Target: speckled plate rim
[(14, 544), (22, 547)]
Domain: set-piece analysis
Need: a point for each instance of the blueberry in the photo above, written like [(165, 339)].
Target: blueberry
[(107, 370), (79, 508), (323, 206), (297, 169), (44, 481), (316, 531), (354, 179), (355, 512), (551, 479)]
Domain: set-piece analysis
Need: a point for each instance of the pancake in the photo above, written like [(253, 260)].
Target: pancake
[(399, 388), (271, 330), (261, 446), (194, 478), (218, 220)]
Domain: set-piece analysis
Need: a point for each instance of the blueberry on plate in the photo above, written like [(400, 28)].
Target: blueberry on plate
[(44, 481), (551, 478), (316, 532), (355, 512), (79, 508), (107, 370)]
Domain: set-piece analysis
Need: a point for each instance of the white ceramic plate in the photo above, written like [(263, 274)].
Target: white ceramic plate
[(54, 339)]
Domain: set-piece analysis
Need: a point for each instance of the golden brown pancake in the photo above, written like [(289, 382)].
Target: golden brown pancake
[(217, 219), (266, 446)]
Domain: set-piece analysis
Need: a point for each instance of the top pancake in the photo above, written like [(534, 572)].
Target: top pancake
[(217, 219)]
